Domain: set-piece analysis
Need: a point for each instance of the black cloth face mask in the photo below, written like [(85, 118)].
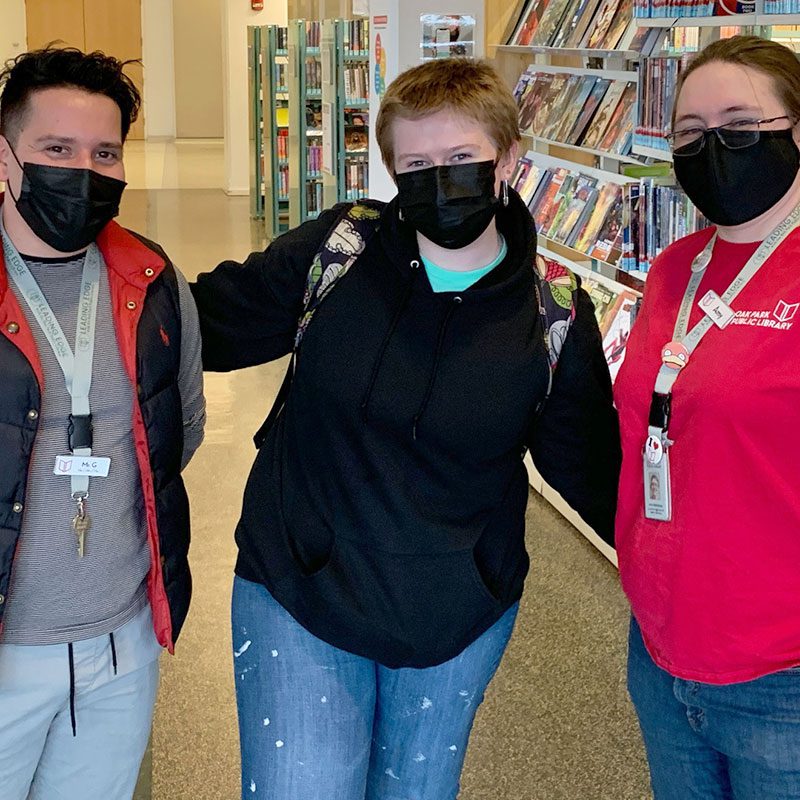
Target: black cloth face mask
[(731, 187), (450, 205), (66, 207)]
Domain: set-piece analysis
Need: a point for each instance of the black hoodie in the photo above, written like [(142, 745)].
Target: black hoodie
[(386, 509)]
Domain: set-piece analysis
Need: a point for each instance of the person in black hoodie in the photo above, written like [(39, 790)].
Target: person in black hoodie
[(381, 542)]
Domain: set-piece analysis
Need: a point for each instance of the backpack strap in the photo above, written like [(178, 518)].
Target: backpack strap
[(556, 294), (340, 249)]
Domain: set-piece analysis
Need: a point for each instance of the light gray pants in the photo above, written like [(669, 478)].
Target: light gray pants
[(40, 758)]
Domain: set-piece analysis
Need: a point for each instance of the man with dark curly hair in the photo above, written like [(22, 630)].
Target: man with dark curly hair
[(101, 407)]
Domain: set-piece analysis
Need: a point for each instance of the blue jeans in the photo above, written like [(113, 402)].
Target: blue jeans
[(706, 742), (319, 723)]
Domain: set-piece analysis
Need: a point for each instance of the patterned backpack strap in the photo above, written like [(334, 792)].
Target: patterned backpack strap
[(556, 289), (343, 245)]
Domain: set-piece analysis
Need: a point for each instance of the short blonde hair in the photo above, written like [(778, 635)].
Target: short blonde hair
[(465, 86)]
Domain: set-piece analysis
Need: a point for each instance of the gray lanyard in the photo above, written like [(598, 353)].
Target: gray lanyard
[(77, 367), (659, 416)]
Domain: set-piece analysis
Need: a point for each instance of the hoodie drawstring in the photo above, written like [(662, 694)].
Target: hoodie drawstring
[(72, 690), (385, 344), (435, 367)]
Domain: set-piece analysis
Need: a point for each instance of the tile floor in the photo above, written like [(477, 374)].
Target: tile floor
[(556, 724)]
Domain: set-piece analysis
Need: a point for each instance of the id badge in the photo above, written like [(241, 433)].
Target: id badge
[(86, 466), (657, 489)]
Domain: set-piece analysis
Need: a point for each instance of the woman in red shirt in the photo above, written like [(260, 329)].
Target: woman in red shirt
[(708, 527)]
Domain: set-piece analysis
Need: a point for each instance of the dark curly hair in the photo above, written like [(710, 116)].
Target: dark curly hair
[(54, 67)]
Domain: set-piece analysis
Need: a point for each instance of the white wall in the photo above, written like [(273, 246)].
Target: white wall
[(236, 16), (12, 29), (159, 69)]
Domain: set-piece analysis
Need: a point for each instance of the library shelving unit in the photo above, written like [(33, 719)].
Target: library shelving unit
[(660, 71), (269, 113), (345, 110), (255, 74), (649, 46), (305, 121), (276, 204)]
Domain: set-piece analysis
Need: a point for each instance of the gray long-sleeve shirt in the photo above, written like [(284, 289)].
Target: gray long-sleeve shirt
[(56, 596)]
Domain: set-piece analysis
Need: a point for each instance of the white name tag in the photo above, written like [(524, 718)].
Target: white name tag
[(718, 312), (87, 466)]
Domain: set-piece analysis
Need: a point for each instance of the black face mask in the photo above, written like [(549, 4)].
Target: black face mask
[(65, 207), (453, 205), (731, 187)]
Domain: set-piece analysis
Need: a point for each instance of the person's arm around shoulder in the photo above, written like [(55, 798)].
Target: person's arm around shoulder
[(190, 373), (575, 442), (249, 312)]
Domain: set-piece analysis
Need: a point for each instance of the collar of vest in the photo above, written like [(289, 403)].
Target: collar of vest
[(130, 258)]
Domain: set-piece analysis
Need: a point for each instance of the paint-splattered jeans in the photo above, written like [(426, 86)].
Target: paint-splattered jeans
[(318, 723)]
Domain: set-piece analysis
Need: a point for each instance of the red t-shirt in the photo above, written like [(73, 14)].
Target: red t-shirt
[(716, 591)]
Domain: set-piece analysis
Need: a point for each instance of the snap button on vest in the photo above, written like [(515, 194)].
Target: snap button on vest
[(33, 414), (17, 508), (12, 327), (149, 272), (130, 305)]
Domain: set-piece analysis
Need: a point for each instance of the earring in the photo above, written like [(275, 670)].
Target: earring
[(504, 192)]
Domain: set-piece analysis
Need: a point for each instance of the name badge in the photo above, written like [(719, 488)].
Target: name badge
[(716, 310), (85, 466), (657, 489)]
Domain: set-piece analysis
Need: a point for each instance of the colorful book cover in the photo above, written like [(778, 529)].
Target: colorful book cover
[(520, 172), (583, 219), (587, 112), (600, 121), (580, 24), (550, 22), (581, 192), (526, 29), (529, 110), (565, 28), (618, 330), (605, 16), (549, 222), (531, 183), (565, 99), (544, 183), (576, 104), (603, 299), (608, 245), (621, 123), (544, 207), (618, 25), (548, 105), (609, 193)]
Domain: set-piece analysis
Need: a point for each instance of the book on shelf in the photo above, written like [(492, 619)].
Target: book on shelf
[(709, 8), (592, 24), (615, 309), (655, 215), (313, 33), (601, 119), (616, 329), (608, 27), (576, 209), (575, 109), (658, 81), (356, 41)]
